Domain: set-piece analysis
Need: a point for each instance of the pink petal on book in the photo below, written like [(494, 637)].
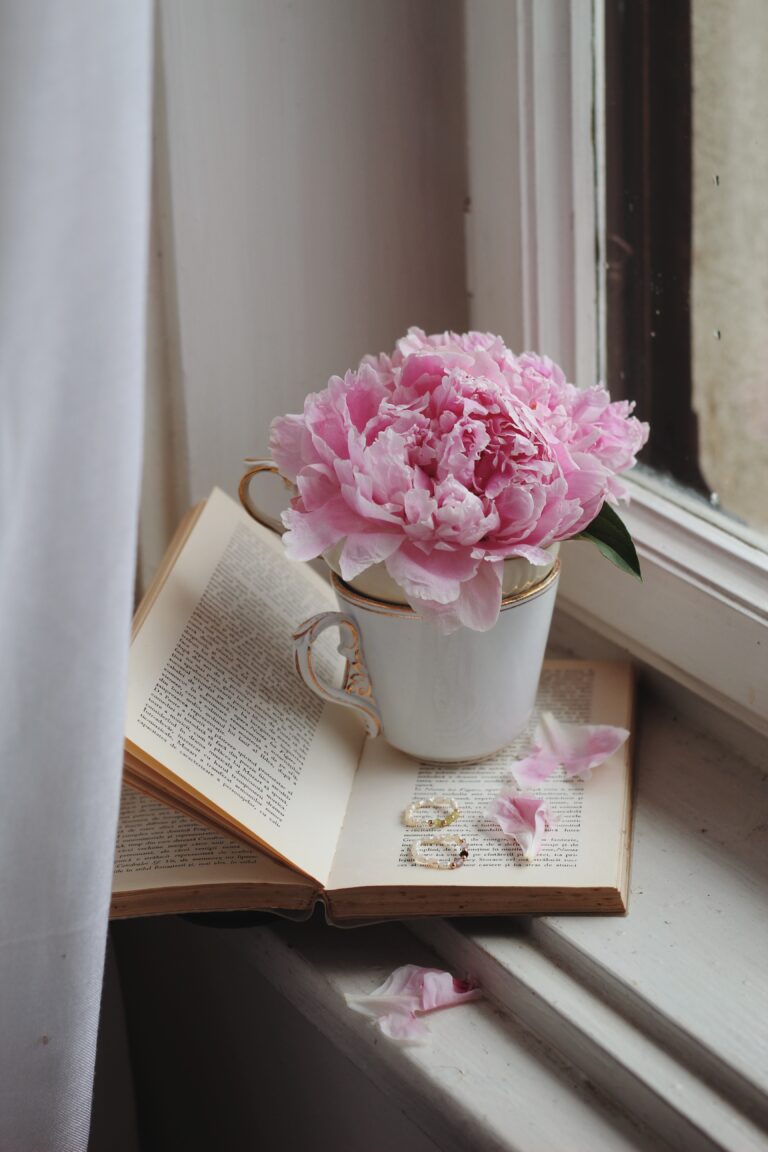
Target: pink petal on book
[(524, 818), (534, 768), (579, 747), (409, 990)]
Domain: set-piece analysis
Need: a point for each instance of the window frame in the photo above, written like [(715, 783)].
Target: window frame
[(701, 615)]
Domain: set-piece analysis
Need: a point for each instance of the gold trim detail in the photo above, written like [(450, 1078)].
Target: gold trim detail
[(356, 679), (243, 491), (404, 611), (356, 691)]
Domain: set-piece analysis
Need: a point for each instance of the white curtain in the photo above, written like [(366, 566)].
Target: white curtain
[(75, 103)]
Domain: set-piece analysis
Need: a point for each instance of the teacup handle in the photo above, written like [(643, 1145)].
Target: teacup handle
[(357, 692), (258, 467)]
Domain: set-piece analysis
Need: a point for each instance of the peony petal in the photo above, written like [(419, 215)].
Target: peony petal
[(579, 747), (362, 549), (327, 420), (419, 507), (400, 992), (316, 486), (404, 1028), (358, 496), (311, 533), (386, 462), (479, 599), (441, 990), (523, 818), (436, 575), (406, 991), (364, 397), (587, 486), (536, 556), (290, 445), (534, 768), (423, 371)]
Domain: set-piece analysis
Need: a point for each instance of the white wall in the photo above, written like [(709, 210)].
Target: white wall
[(533, 74), (494, 226), (310, 206)]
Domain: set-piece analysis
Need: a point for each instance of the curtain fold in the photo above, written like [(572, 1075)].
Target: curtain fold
[(75, 145)]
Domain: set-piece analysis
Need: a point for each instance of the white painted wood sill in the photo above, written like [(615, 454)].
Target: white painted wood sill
[(648, 1031)]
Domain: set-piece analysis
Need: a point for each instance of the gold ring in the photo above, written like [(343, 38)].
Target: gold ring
[(457, 846), (437, 803)]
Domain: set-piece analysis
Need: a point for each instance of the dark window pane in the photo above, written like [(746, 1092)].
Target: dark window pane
[(648, 220)]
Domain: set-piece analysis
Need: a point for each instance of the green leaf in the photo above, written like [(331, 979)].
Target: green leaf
[(609, 533)]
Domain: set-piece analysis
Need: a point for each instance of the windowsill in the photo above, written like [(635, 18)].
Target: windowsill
[(659, 1008), (630, 1031), (701, 614)]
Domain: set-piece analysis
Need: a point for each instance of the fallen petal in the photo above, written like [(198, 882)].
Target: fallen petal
[(408, 990), (579, 747), (404, 1028), (524, 818), (441, 990), (400, 992), (534, 768)]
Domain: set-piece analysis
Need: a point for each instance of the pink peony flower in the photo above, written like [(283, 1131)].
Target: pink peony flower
[(445, 459)]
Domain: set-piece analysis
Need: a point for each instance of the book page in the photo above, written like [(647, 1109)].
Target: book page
[(160, 848), (584, 849), (214, 697)]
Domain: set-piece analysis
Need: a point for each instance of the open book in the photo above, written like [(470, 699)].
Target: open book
[(278, 800)]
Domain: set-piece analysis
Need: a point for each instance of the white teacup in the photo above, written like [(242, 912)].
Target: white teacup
[(444, 698)]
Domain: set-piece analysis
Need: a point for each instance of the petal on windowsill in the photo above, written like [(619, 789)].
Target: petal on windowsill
[(404, 1028), (407, 991)]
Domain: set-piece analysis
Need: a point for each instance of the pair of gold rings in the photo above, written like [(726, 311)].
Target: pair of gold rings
[(446, 811)]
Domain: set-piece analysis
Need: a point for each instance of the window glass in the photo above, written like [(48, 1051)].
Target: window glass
[(729, 282), (687, 240)]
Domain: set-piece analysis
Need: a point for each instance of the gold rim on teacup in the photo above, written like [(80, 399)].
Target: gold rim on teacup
[(388, 608)]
